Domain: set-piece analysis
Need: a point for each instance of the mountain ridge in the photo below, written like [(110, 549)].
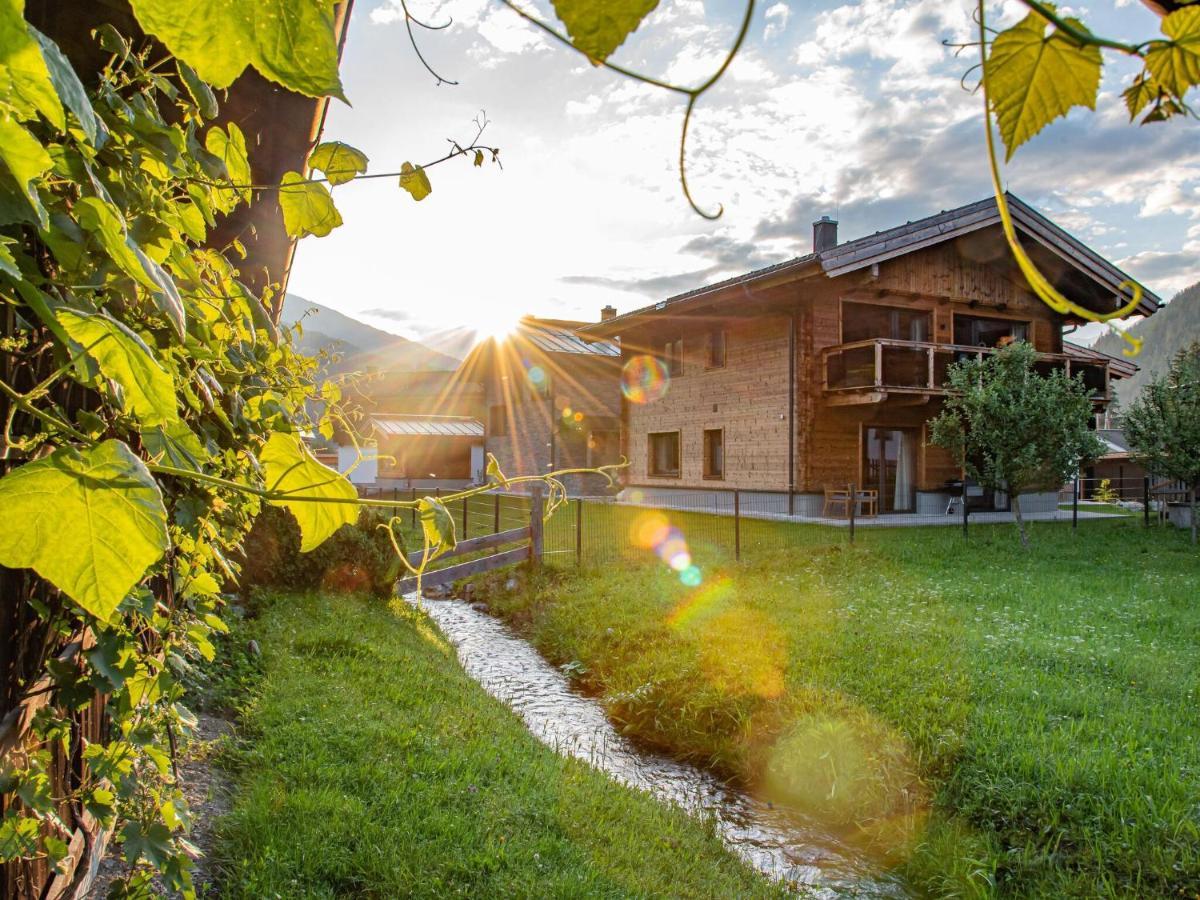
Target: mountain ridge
[(1165, 333), (362, 346)]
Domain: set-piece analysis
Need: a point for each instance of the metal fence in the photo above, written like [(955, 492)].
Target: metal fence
[(678, 525)]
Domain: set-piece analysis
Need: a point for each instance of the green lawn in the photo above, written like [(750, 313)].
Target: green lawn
[(370, 765), (987, 720)]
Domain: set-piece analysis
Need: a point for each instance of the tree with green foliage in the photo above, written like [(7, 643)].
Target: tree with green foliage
[(1163, 425), (1013, 429)]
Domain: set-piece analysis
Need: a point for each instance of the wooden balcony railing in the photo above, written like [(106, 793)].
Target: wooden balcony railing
[(883, 366)]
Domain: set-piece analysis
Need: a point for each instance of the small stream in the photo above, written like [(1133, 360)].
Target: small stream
[(778, 842)]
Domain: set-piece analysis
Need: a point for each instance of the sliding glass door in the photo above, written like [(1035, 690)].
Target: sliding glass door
[(890, 466)]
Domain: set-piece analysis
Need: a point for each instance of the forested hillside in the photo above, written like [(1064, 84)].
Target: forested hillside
[(1168, 331)]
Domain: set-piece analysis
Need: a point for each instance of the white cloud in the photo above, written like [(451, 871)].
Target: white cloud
[(777, 18)]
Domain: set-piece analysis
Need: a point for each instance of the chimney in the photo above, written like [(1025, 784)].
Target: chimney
[(824, 234), (609, 312)]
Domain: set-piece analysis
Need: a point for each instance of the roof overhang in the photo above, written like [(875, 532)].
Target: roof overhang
[(865, 252)]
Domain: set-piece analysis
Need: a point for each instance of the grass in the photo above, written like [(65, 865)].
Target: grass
[(989, 721), (370, 765)]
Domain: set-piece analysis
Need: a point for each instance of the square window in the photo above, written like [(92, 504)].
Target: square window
[(664, 454)]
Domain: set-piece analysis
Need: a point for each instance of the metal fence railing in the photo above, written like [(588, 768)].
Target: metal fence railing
[(678, 525)]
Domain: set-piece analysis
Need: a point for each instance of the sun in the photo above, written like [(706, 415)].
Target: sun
[(495, 324)]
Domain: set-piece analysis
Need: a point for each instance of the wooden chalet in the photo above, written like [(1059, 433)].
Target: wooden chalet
[(552, 396), (825, 370)]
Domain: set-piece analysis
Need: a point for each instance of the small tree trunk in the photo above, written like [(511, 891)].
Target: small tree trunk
[(1016, 507)]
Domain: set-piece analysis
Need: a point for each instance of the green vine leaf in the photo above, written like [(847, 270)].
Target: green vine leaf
[(1033, 78), (415, 181), (291, 468), (70, 89), (102, 220), (307, 207), (230, 147), (437, 525), (1176, 64), (177, 445), (148, 389), (26, 158), (90, 522), (339, 162), (600, 28), (24, 78), (290, 42)]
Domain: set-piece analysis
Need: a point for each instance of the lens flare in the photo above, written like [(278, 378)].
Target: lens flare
[(649, 530), (644, 379), (536, 376), (691, 576)]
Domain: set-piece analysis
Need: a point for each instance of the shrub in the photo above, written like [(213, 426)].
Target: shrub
[(358, 558)]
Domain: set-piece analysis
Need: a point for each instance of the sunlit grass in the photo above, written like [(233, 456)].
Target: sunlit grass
[(1040, 706), (372, 766)]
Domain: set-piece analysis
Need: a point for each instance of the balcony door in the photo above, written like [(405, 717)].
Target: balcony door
[(889, 466)]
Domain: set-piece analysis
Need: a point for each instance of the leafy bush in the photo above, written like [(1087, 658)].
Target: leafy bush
[(358, 558)]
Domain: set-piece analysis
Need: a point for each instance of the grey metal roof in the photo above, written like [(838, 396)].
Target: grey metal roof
[(427, 426), (559, 337), (883, 245)]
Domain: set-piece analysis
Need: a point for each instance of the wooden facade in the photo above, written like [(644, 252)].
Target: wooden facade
[(829, 380), (551, 400)]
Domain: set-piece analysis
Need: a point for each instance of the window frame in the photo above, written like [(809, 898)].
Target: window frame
[(492, 430), (650, 467), (709, 358), (708, 474), (672, 357)]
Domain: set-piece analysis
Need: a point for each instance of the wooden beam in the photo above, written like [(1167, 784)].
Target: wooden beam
[(474, 545), (451, 574)]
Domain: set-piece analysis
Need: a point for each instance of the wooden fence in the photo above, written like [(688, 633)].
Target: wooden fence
[(530, 538)]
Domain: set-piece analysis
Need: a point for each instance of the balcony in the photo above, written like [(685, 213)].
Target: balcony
[(874, 370)]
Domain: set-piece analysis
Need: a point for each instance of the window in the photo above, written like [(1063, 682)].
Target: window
[(664, 454), (864, 321), (978, 331), (498, 420), (714, 453), (716, 349), (673, 356)]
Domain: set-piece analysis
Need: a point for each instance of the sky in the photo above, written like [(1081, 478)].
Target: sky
[(855, 110)]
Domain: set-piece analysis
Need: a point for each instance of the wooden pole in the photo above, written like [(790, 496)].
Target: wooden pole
[(852, 505), (537, 506), (1145, 501), (495, 513), (414, 509), (466, 506)]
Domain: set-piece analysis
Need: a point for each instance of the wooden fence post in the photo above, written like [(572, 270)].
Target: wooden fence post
[(495, 513), (1145, 501), (852, 505), (414, 509), (537, 505)]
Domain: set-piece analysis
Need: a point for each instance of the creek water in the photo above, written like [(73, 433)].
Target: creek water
[(779, 842)]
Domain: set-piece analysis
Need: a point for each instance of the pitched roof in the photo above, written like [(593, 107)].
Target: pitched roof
[(561, 336), (1117, 367), (403, 425), (883, 245)]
